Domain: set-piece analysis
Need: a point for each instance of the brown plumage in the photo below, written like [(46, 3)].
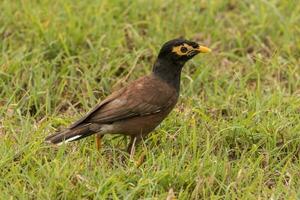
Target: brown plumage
[(137, 109)]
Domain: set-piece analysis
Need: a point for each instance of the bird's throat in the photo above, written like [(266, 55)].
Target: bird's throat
[(168, 71)]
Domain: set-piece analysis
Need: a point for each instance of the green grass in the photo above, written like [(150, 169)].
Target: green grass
[(234, 134)]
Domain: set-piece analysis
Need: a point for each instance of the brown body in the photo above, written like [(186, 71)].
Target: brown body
[(136, 109)]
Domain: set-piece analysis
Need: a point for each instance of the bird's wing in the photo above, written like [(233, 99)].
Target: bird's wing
[(145, 96), (111, 97)]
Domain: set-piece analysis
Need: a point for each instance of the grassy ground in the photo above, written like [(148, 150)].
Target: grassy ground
[(235, 133)]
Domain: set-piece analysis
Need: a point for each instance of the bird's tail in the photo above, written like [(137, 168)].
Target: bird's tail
[(70, 135)]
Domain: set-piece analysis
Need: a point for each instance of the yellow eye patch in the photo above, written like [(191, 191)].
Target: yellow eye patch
[(183, 49)]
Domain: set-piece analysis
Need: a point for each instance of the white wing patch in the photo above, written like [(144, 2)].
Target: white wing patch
[(69, 140)]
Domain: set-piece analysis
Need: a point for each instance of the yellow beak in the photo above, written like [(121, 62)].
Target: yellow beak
[(203, 49)]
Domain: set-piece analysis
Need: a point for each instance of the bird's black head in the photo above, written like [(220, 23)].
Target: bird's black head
[(172, 57), (178, 51)]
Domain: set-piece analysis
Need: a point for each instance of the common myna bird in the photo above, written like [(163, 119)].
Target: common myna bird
[(138, 108)]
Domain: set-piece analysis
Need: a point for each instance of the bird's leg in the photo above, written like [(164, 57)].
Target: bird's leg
[(98, 141), (131, 145), (134, 140)]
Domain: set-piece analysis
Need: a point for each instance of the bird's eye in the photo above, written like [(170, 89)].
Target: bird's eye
[(183, 49)]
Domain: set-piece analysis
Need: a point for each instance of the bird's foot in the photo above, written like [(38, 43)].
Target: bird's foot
[(141, 160)]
